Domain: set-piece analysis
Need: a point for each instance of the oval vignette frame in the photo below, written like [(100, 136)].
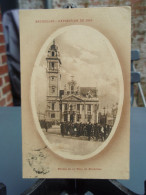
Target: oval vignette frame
[(32, 93)]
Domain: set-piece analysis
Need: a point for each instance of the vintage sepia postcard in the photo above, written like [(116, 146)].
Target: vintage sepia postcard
[(75, 76)]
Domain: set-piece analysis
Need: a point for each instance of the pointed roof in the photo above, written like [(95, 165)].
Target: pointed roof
[(72, 98), (53, 46)]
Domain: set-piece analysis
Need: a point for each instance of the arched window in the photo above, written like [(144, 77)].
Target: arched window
[(72, 88), (53, 106), (52, 65)]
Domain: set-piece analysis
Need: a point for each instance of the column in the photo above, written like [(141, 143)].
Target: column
[(86, 108), (62, 108), (80, 120), (75, 118), (97, 112), (80, 109), (85, 112), (68, 117), (92, 114)]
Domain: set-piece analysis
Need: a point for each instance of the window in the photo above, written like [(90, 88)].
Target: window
[(53, 89), (72, 89), (78, 106), (89, 107), (52, 65), (53, 53), (53, 106), (88, 118), (65, 106), (53, 115), (52, 78), (78, 117), (95, 107), (71, 107)]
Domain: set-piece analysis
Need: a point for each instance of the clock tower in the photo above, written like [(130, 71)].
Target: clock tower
[(54, 79)]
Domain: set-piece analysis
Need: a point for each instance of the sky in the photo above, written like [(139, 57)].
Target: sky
[(88, 56)]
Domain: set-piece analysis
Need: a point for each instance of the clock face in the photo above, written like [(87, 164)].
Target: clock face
[(52, 78), (82, 101)]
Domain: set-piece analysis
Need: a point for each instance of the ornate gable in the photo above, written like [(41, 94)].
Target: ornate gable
[(72, 98)]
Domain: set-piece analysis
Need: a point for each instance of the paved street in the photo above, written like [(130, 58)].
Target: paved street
[(71, 145)]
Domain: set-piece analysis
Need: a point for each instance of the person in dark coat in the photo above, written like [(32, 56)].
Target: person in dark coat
[(71, 129), (46, 126), (67, 126), (89, 128), (101, 132), (85, 129), (108, 130), (75, 129), (80, 129), (62, 127), (105, 132), (96, 131)]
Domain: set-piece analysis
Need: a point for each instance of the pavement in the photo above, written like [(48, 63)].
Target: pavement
[(70, 145)]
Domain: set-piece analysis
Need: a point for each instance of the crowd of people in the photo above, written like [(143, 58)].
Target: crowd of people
[(46, 124), (94, 131)]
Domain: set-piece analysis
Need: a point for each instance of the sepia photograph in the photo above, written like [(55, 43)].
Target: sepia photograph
[(77, 92)]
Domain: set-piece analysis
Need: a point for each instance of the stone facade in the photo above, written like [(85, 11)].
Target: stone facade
[(79, 104), (71, 104)]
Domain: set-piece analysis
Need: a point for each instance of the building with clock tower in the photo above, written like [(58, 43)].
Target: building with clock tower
[(71, 104), (54, 80)]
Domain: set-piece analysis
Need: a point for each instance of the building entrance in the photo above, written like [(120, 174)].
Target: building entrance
[(72, 118), (65, 117)]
